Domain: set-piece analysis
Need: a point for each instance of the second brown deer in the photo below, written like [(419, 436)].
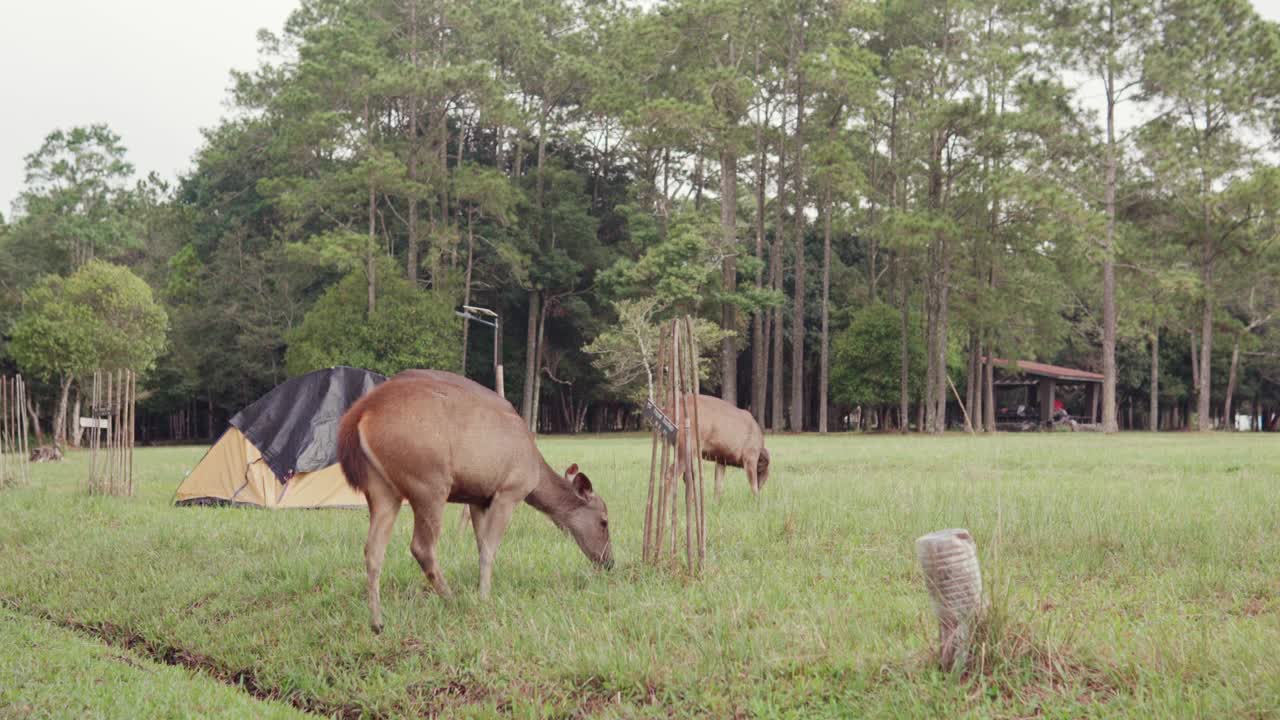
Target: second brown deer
[(434, 438), (729, 436)]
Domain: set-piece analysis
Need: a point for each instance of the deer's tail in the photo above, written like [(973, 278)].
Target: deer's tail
[(762, 467), (351, 453)]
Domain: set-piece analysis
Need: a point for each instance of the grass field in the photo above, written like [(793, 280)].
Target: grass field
[(1135, 576)]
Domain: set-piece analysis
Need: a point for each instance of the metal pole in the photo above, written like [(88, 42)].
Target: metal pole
[(497, 355)]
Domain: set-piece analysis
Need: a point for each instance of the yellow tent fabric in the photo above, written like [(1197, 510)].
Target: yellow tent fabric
[(233, 472)]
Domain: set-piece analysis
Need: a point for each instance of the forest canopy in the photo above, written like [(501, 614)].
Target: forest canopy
[(1090, 183)]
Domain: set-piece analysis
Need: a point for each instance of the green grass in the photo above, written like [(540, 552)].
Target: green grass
[(1135, 575)]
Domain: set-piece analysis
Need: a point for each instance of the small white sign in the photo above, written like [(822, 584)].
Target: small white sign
[(100, 423)]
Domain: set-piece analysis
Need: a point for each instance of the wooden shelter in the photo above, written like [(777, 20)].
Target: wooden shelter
[(1041, 382)]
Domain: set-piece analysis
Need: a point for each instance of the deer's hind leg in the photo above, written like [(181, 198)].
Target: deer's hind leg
[(428, 521), (384, 506)]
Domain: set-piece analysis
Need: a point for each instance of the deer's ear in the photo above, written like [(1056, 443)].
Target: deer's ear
[(582, 485), (570, 472)]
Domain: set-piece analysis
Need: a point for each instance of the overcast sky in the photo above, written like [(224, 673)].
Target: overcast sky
[(156, 71)]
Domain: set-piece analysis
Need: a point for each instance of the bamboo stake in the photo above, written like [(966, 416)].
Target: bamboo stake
[(697, 435), (98, 388), (10, 432), (113, 432), (15, 463), (133, 421), (26, 450), (124, 432), (653, 457), (648, 505), (661, 487), (677, 393), (113, 389), (118, 469), (93, 433), (5, 472)]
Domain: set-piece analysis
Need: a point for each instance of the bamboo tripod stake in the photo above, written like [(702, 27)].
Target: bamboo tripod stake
[(14, 453), (681, 453), (111, 437)]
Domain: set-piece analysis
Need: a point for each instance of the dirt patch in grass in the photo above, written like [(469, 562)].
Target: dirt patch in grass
[(245, 680), (588, 699), (434, 699)]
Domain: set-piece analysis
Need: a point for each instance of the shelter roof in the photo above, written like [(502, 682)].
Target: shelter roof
[(1057, 372)]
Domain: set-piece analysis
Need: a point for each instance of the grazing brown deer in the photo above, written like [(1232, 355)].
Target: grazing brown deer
[(433, 438), (729, 436)]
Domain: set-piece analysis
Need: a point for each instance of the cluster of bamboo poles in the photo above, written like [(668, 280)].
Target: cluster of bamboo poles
[(13, 432), (111, 432), (676, 376)]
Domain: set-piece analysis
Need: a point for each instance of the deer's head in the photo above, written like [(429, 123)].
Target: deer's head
[(588, 523)]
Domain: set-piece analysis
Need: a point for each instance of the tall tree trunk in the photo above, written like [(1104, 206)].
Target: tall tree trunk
[(466, 288), (904, 358), (371, 244), (979, 409), (371, 268), (1109, 424), (60, 420), (1203, 419), (971, 372), (537, 367), (873, 249), (33, 410), (539, 180), (530, 359), (776, 414), (1154, 420), (729, 270), (989, 387), (1228, 420), (532, 349), (759, 347), (775, 275), (941, 329), (74, 428), (411, 256), (797, 308), (936, 299), (443, 146), (824, 367), (1195, 361), (697, 180)]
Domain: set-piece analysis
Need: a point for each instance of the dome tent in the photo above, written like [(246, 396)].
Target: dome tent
[(281, 451)]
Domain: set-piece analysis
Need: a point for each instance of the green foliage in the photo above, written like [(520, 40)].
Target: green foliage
[(409, 329), (72, 206), (682, 269), (102, 317), (487, 192), (867, 358), (571, 157), (627, 351)]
